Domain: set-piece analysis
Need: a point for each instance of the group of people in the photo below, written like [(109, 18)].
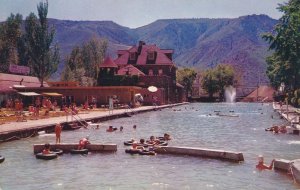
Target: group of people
[(58, 129), (277, 129), (153, 141), (112, 129)]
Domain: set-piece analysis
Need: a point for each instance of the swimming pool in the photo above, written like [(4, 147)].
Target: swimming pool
[(189, 125)]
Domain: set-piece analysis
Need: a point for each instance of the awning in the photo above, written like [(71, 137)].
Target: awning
[(51, 94), (29, 93)]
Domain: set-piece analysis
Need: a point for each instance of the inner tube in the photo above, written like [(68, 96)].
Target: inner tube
[(129, 143), (147, 152), (58, 151), (1, 159), (163, 139), (163, 143), (132, 151), (112, 130), (269, 129), (81, 151), (46, 156)]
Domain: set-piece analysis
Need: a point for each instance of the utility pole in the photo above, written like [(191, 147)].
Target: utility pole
[(258, 83)]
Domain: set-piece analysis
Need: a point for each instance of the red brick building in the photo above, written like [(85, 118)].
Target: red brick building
[(143, 65)]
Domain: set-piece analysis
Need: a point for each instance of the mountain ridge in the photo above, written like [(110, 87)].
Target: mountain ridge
[(197, 42)]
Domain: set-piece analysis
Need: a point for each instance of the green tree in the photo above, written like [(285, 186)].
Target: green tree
[(186, 77), (224, 75), (74, 70), (83, 62), (38, 38), (93, 54), (215, 80), (210, 83), (67, 74), (284, 64), (10, 34)]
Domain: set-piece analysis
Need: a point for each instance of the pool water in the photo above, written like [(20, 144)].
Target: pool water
[(194, 125)]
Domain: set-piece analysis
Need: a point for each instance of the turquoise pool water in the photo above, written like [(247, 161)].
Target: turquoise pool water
[(191, 126)]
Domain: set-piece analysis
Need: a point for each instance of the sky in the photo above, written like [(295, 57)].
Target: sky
[(136, 13)]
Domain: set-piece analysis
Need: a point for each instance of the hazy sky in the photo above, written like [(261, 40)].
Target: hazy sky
[(135, 13)]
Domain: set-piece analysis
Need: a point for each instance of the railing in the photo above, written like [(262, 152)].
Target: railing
[(78, 119), (128, 109)]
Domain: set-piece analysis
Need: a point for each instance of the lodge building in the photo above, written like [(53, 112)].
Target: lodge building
[(132, 72)]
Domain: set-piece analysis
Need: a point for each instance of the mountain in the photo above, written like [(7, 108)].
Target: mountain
[(200, 43)]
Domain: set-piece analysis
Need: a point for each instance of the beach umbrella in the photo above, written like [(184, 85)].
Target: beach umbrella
[(152, 88)]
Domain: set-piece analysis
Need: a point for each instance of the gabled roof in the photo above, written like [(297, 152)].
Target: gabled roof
[(161, 57), (108, 63), (7, 82), (132, 70), (133, 49)]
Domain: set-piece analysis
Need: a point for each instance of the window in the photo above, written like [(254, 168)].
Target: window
[(160, 72), (151, 55), (150, 72), (132, 56)]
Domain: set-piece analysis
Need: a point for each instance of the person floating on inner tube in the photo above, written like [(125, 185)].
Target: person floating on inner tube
[(282, 129), (262, 166), (276, 129), (111, 129), (142, 142), (153, 141), (136, 147), (46, 149), (167, 137), (83, 142)]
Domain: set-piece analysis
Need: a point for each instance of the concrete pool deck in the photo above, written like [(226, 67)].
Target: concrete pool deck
[(202, 152), (17, 130), (290, 114), (66, 147)]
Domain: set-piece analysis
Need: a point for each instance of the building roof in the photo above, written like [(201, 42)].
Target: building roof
[(161, 57), (130, 70), (262, 93), (10, 81), (108, 63)]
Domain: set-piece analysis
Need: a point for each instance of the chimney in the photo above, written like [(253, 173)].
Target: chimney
[(141, 43)]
